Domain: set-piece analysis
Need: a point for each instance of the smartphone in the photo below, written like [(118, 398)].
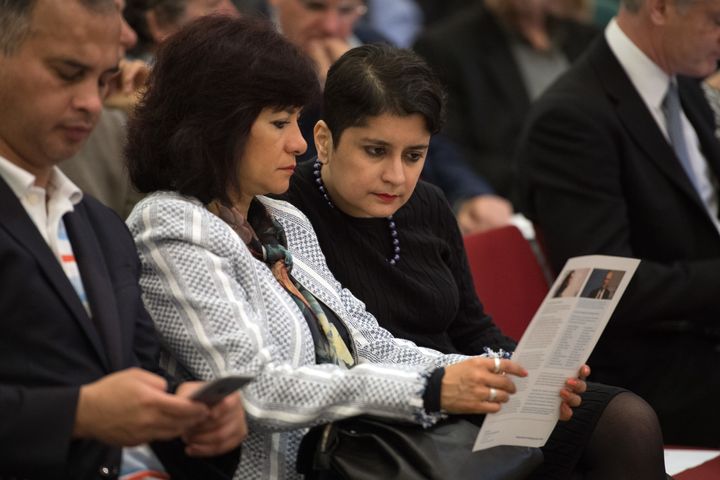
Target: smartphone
[(213, 393)]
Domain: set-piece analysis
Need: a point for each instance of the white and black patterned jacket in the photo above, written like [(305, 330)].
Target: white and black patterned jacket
[(220, 311)]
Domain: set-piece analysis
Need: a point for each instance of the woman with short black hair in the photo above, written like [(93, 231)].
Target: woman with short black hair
[(393, 241)]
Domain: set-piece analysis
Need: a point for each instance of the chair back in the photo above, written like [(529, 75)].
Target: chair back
[(508, 277)]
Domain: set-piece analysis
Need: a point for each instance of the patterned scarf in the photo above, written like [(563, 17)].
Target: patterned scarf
[(269, 245)]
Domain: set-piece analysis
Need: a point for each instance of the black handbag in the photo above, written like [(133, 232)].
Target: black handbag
[(367, 448)]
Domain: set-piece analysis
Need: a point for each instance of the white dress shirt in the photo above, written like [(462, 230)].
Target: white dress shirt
[(44, 206)]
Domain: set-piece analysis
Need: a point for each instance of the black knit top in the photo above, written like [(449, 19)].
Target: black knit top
[(428, 297)]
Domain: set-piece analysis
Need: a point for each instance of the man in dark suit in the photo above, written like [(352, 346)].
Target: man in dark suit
[(73, 328), (495, 58), (612, 163)]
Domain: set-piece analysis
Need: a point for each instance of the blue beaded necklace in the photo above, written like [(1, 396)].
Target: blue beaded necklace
[(391, 223)]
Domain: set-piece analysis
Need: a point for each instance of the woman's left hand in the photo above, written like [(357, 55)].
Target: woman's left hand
[(571, 392)]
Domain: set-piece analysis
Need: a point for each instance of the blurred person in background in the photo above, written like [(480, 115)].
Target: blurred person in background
[(400, 21), (436, 11), (496, 58), (155, 20)]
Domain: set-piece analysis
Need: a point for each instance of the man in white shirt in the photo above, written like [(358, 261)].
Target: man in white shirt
[(73, 329), (614, 161)]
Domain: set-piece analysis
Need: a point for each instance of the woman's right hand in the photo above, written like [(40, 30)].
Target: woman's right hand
[(466, 386)]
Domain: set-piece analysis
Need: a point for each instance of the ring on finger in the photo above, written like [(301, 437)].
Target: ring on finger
[(497, 368), (493, 395)]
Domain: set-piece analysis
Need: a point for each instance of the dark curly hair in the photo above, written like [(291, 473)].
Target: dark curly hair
[(375, 79), (209, 84)]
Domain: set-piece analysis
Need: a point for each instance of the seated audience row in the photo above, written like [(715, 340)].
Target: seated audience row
[(237, 282)]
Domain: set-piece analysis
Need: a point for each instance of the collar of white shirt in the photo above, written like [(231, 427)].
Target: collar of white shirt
[(21, 181), (45, 207), (652, 83), (649, 80)]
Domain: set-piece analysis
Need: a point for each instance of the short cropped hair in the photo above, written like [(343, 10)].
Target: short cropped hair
[(372, 80), (15, 20), (209, 84)]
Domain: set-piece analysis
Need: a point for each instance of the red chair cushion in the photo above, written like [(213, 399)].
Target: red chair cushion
[(507, 276)]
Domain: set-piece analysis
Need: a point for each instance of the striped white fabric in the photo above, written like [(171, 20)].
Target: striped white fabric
[(219, 311)]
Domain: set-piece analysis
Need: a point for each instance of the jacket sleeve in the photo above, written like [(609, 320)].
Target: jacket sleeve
[(205, 293), (36, 429)]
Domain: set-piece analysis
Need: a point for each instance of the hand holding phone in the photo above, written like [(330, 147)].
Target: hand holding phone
[(213, 393)]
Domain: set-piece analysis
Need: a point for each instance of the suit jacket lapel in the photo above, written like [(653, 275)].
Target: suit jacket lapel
[(15, 220), (96, 280), (638, 120)]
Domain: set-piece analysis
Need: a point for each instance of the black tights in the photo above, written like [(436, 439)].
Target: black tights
[(626, 443)]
